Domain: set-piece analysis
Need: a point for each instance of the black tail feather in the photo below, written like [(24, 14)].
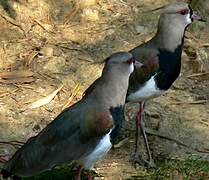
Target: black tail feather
[(16, 178), (5, 174)]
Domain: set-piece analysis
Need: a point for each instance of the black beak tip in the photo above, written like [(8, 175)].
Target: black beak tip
[(203, 20)]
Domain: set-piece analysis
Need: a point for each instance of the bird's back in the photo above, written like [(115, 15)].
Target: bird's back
[(147, 54), (62, 141)]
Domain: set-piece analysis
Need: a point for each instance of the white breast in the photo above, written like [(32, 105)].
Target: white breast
[(148, 91), (101, 149), (188, 19)]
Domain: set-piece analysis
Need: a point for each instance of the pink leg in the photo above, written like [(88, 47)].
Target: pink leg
[(89, 175), (140, 124), (4, 158), (77, 175)]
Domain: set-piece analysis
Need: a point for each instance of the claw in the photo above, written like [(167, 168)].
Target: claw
[(138, 159)]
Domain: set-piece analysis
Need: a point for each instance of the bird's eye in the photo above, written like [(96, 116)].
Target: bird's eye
[(131, 60), (184, 11)]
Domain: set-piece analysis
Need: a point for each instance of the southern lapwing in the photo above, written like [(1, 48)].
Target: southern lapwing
[(82, 133), (161, 59)]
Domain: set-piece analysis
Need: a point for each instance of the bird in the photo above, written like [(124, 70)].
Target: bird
[(161, 59), (83, 132)]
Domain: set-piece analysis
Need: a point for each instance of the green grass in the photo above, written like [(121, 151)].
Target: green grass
[(65, 172), (58, 173), (190, 169)]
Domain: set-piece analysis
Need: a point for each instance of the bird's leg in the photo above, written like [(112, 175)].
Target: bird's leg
[(77, 175), (16, 178), (4, 158), (140, 124), (89, 175), (142, 128), (136, 156)]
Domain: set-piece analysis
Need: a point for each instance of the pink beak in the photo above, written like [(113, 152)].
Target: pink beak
[(137, 64), (197, 18)]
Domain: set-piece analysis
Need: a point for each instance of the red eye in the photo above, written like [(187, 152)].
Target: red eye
[(184, 11), (130, 61)]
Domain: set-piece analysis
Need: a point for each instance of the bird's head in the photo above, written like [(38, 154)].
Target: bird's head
[(179, 15), (122, 61)]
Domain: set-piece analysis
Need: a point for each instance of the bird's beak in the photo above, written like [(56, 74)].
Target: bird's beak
[(197, 18), (137, 64)]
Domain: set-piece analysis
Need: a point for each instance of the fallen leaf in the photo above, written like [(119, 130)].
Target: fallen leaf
[(45, 100), (16, 74)]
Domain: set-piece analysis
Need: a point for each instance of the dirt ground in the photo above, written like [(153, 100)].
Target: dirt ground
[(54, 43)]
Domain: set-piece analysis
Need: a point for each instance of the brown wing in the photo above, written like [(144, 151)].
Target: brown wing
[(71, 135), (150, 60)]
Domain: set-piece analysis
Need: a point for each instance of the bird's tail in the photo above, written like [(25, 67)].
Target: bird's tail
[(5, 174)]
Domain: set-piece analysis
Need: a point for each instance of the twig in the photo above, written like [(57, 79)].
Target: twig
[(16, 144), (13, 22), (197, 74), (70, 15), (3, 94), (24, 86), (70, 48), (88, 60), (18, 80), (205, 123), (204, 45), (192, 102), (31, 57), (42, 26), (156, 133)]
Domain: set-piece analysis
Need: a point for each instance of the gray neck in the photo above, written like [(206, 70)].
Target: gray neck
[(112, 88), (169, 36)]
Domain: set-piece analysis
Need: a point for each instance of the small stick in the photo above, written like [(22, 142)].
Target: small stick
[(13, 22), (192, 102), (197, 74), (4, 94), (204, 45), (15, 144), (42, 26), (156, 133)]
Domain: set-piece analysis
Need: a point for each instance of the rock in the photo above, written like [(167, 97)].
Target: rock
[(47, 51), (141, 30), (110, 32), (55, 64), (86, 3), (89, 14)]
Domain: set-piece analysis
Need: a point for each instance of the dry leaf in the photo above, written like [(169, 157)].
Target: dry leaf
[(45, 100), (16, 74)]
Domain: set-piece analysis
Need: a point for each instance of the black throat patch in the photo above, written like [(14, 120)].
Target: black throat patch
[(118, 118), (191, 13), (169, 67)]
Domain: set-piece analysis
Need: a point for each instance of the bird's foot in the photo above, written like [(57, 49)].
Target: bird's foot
[(4, 158), (77, 173), (136, 158)]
